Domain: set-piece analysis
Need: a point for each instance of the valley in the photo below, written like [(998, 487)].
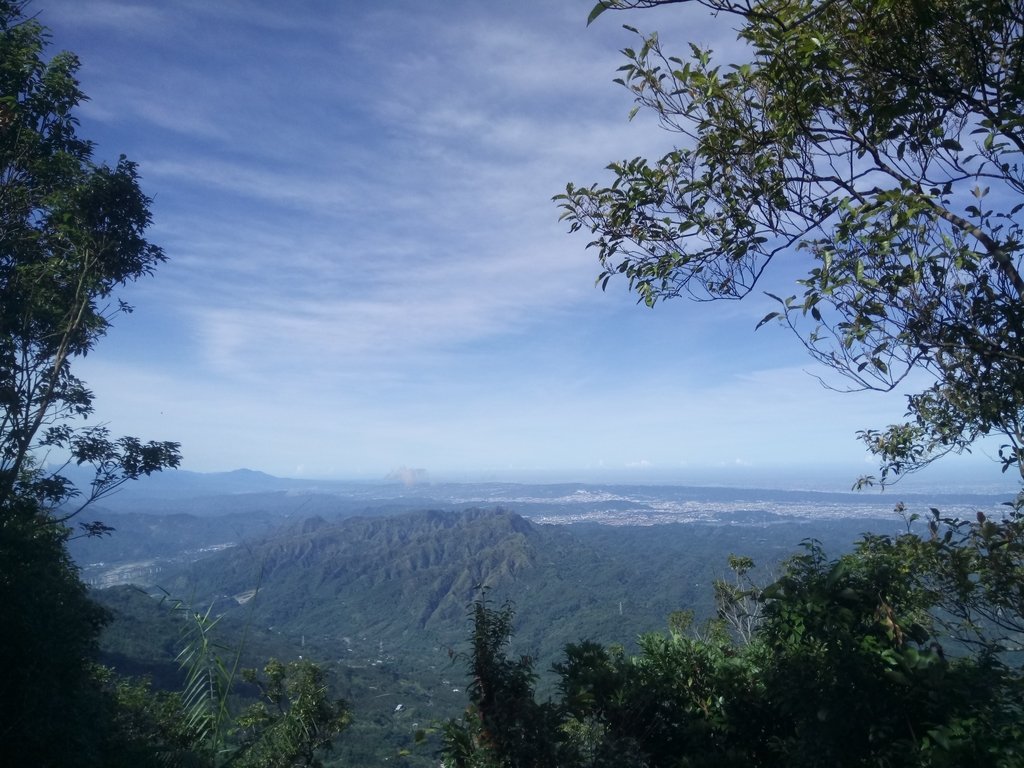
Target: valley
[(376, 584)]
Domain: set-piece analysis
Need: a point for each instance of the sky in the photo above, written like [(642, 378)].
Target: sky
[(366, 270)]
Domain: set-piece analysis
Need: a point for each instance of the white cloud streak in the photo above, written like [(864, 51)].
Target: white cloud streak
[(367, 269)]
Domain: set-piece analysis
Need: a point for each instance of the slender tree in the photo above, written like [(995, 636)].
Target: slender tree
[(71, 234)]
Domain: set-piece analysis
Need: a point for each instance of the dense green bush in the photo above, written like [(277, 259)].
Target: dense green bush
[(904, 652)]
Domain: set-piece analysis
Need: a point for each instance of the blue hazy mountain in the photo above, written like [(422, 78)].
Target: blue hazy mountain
[(178, 516), (374, 579)]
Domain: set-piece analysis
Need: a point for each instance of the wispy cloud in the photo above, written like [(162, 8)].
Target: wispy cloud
[(366, 268)]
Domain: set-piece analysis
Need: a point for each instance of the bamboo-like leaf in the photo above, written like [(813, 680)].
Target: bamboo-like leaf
[(598, 9)]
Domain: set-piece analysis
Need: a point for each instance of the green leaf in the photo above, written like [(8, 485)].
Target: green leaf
[(598, 9)]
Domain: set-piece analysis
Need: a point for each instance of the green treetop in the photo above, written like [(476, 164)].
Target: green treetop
[(71, 233)]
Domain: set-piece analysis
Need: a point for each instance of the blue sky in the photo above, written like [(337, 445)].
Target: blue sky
[(366, 270)]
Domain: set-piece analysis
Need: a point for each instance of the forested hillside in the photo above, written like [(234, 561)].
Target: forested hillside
[(382, 602), (407, 580)]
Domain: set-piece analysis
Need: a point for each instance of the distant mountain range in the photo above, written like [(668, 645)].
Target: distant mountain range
[(351, 586), (212, 493), (175, 517), (351, 577)]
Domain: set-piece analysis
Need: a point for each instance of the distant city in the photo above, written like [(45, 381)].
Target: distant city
[(547, 502)]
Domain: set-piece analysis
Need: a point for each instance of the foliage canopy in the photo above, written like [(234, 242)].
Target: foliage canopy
[(71, 233), (882, 142), (885, 656)]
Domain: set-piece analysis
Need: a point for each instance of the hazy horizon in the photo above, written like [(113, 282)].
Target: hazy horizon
[(938, 480)]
